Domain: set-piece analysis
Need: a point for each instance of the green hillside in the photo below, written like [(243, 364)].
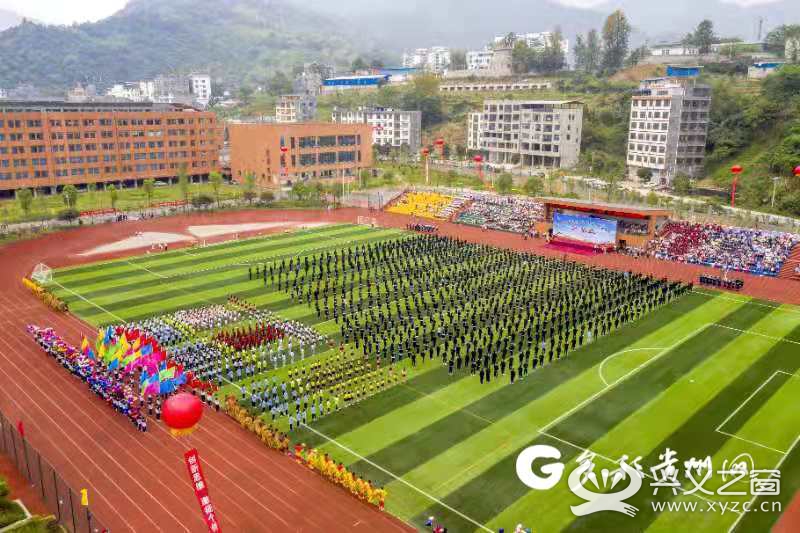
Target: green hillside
[(245, 40)]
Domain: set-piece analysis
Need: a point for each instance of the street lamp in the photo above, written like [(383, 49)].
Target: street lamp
[(735, 170), (425, 153), (775, 181)]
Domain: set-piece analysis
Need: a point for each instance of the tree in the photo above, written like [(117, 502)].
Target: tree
[(149, 186), (183, 182), (267, 197), (215, 179), (644, 174), (777, 39), (682, 184), (594, 51), (70, 196), (424, 95), (376, 63), (616, 35), (652, 199), (113, 195), (300, 191), (249, 187), (504, 183), (703, 36), (25, 199), (579, 51), (553, 58), (784, 84), (612, 185), (534, 186), (636, 56), (279, 84), (458, 59), (358, 64)]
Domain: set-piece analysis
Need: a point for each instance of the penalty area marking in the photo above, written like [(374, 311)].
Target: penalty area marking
[(739, 408), (613, 355), (398, 478)]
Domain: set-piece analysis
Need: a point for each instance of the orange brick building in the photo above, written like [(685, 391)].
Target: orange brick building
[(311, 151), (45, 145)]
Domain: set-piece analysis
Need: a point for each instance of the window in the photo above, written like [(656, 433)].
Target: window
[(346, 157), (327, 158)]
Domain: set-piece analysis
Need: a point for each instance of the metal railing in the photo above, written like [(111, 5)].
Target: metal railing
[(59, 498)]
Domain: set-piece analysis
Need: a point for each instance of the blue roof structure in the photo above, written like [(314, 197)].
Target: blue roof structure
[(351, 81), (675, 71)]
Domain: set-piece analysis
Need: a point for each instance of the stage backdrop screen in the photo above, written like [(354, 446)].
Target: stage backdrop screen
[(584, 228)]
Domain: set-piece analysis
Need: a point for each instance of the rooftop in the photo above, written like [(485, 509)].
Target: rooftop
[(89, 106), (605, 208)]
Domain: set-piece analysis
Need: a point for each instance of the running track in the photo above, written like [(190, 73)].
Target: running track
[(138, 482)]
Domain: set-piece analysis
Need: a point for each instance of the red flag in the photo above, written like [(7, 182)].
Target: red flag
[(21, 429)]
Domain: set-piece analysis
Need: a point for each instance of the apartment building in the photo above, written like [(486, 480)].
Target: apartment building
[(200, 87), (45, 145), (474, 130), (531, 133), (282, 154), (390, 127), (668, 127), (535, 40), (479, 59), (435, 59), (296, 108)]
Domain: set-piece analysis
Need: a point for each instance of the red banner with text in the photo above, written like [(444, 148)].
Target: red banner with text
[(201, 490)]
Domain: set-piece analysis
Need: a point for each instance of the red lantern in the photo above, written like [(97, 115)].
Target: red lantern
[(736, 169), (426, 152), (284, 149), (439, 142), (479, 163), (797, 171), (181, 413)]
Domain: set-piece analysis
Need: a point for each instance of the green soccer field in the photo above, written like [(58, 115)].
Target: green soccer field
[(708, 375)]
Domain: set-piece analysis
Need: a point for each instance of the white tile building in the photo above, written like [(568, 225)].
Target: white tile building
[(435, 59), (668, 128), (530, 133), (200, 87), (296, 108), (479, 59), (390, 127), (535, 40), (474, 130)]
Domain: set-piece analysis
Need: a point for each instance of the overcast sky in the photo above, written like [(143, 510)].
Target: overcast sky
[(68, 11), (63, 11)]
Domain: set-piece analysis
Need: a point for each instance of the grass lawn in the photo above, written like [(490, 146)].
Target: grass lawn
[(708, 375), (48, 206)]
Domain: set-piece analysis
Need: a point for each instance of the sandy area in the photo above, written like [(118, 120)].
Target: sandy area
[(225, 229), (141, 240)]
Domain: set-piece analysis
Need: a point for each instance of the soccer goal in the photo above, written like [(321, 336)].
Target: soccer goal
[(42, 274)]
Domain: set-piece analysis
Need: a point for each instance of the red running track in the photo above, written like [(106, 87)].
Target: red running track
[(138, 482)]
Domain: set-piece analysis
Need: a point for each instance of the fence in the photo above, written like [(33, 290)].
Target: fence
[(59, 498)]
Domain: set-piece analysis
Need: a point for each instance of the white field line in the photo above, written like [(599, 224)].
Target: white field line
[(747, 302), (748, 332), (753, 499), (718, 429), (401, 480), (117, 317), (604, 361), (621, 379)]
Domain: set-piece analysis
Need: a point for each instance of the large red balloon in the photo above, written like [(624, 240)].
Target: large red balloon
[(182, 412), (797, 170), (736, 169), (439, 142)]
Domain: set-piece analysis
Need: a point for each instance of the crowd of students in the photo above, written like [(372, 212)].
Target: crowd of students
[(757, 251), (516, 214)]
